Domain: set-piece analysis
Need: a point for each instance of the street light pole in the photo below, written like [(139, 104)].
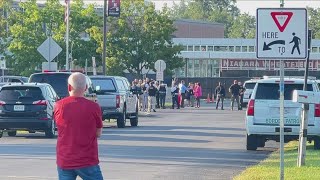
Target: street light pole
[(104, 37)]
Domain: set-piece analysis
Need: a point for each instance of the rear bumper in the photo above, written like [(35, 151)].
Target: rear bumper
[(110, 113), (18, 123)]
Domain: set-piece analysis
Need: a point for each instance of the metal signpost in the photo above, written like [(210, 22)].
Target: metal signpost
[(279, 36), (49, 49), (160, 66)]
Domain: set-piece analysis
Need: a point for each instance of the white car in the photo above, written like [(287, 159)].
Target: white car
[(263, 113), (249, 86)]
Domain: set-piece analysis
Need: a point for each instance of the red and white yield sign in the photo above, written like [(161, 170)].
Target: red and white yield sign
[(282, 33)]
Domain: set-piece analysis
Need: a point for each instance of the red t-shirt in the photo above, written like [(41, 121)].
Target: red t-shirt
[(77, 121)]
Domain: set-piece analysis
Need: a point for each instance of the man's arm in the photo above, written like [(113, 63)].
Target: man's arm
[(98, 117)]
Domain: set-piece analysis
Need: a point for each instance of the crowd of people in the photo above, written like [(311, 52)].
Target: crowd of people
[(152, 94)]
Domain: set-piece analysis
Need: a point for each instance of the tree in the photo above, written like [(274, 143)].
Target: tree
[(4, 34), (141, 36), (314, 22), (244, 26), (30, 27)]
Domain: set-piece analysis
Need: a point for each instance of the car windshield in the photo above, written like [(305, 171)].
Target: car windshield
[(106, 85), (20, 93), (270, 91), (59, 81), (250, 85)]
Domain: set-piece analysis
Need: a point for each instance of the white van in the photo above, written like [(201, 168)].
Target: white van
[(262, 116)]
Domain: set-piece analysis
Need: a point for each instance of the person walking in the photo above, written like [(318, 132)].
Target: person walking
[(241, 94), (145, 94), (182, 92), (152, 90), (162, 95), (79, 123), (191, 94), (234, 89), (175, 93), (198, 94), (220, 93), (140, 94)]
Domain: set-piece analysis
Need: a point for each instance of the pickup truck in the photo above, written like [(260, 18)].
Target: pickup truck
[(116, 99)]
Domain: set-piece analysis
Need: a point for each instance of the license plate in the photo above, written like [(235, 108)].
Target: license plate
[(286, 121), (18, 107)]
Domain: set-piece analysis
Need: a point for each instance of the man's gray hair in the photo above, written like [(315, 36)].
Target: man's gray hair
[(77, 81)]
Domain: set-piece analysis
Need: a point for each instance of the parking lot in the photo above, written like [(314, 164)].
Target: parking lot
[(170, 144)]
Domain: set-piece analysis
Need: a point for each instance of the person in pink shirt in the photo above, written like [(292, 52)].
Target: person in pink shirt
[(198, 93)]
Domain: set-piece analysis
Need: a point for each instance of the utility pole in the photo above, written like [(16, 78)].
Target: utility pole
[(104, 37), (305, 110)]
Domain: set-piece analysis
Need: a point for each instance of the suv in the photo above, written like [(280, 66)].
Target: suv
[(28, 107), (116, 100), (263, 113), (59, 82), (18, 79), (249, 86)]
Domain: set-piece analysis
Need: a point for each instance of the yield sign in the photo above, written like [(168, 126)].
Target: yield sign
[(277, 15)]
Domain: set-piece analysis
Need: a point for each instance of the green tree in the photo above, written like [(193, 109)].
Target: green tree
[(314, 22), (244, 26), (32, 26), (139, 37), (5, 10)]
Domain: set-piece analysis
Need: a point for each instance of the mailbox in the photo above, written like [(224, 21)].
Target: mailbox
[(308, 97)]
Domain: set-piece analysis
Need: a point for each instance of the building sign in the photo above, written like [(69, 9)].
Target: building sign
[(282, 33), (114, 8), (253, 64)]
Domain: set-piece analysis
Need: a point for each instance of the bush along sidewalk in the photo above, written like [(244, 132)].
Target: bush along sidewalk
[(269, 169)]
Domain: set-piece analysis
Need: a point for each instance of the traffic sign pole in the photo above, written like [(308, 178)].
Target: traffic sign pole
[(281, 120)]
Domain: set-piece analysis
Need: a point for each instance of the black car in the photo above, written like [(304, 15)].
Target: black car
[(59, 82), (27, 107)]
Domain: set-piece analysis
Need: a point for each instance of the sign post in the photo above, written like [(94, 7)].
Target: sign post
[(279, 36), (160, 66), (49, 49)]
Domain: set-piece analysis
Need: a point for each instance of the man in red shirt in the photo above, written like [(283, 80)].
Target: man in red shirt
[(79, 123)]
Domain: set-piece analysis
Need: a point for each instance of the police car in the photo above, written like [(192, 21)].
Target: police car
[(263, 113)]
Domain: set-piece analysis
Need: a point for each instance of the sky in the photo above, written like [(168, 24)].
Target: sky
[(245, 6), (250, 6)]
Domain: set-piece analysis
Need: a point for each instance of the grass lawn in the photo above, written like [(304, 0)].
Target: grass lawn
[(269, 169)]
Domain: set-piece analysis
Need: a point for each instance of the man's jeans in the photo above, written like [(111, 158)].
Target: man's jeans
[(235, 98), (87, 173)]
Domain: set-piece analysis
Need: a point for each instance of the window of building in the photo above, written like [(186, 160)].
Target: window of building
[(203, 68), (251, 48), (196, 68), (314, 49), (185, 48), (190, 48), (180, 72), (244, 48), (210, 48), (196, 48), (238, 48), (231, 48), (221, 48), (189, 67), (203, 48), (209, 68)]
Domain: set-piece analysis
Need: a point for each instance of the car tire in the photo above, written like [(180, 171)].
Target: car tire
[(134, 121), (252, 142), (12, 133), (316, 143), (121, 121), (51, 131)]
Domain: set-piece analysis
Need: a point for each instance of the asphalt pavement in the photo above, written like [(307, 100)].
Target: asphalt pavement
[(179, 144)]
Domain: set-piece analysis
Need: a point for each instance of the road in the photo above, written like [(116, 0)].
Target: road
[(190, 143)]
